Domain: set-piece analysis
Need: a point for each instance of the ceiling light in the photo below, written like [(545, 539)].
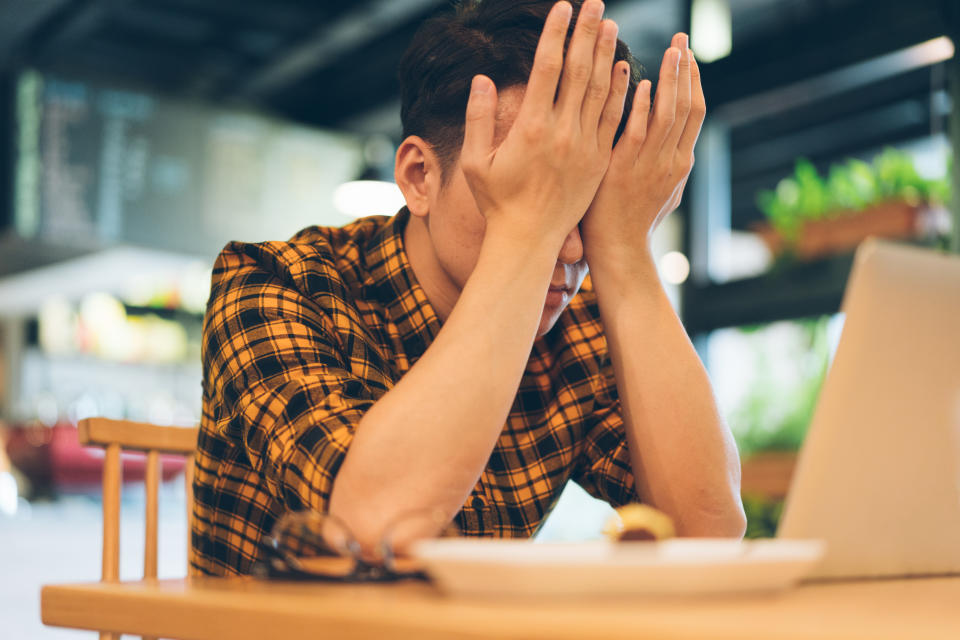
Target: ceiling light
[(711, 30), (360, 198)]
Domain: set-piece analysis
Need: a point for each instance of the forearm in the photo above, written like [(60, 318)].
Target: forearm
[(426, 442), (683, 456)]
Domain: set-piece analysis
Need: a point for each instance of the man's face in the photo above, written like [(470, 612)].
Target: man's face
[(457, 228)]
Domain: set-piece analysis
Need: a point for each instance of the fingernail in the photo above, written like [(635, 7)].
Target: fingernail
[(684, 41), (479, 86)]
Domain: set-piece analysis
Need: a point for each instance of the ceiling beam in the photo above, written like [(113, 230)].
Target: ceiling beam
[(18, 20), (837, 39), (75, 23), (359, 26)]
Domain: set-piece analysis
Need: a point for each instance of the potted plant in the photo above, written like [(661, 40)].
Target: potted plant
[(811, 216), (785, 365)]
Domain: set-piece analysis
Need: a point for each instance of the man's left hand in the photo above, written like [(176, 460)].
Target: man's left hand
[(649, 166)]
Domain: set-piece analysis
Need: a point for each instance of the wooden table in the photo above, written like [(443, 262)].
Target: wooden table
[(239, 609)]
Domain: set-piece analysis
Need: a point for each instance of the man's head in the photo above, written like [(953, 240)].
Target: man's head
[(496, 38)]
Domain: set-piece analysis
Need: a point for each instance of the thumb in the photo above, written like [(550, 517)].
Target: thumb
[(479, 124)]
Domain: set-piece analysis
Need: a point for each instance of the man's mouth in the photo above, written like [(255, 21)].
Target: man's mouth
[(557, 294)]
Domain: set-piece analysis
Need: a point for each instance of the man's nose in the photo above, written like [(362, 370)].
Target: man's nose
[(572, 250)]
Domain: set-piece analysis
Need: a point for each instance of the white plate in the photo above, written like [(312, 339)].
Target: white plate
[(670, 567)]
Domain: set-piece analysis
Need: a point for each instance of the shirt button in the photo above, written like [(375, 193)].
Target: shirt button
[(477, 502)]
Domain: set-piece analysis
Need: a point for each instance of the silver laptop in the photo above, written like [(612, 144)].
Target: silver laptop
[(878, 477)]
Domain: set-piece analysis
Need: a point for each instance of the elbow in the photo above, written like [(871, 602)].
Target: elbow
[(737, 526), (731, 522), (726, 522)]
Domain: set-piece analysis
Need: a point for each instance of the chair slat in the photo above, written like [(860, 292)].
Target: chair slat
[(137, 436), (118, 435), (152, 482), (111, 514)]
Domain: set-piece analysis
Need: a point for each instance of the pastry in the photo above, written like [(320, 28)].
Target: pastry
[(639, 522)]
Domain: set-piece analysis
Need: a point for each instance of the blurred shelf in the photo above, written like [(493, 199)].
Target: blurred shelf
[(91, 361), (72, 275), (182, 316), (790, 291)]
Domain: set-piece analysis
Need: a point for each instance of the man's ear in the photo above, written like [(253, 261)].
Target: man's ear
[(417, 173)]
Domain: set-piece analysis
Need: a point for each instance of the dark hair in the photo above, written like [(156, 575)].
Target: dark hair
[(497, 38)]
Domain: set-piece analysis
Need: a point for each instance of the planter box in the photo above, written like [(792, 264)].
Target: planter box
[(842, 233), (767, 474)]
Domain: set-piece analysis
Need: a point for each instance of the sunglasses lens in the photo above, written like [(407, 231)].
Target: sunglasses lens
[(314, 542)]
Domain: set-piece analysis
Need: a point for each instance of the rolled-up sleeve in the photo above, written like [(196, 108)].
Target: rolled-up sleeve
[(288, 395), (604, 469)]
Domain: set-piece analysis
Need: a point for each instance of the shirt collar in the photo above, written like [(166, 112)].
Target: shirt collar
[(392, 282)]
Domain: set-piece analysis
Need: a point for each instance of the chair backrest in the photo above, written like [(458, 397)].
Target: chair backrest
[(115, 436)]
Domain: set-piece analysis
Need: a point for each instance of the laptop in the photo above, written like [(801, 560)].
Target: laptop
[(878, 476)]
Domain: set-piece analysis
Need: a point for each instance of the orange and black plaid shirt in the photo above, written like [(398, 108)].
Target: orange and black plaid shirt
[(302, 337)]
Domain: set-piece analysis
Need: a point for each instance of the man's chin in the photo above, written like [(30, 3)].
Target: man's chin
[(547, 321)]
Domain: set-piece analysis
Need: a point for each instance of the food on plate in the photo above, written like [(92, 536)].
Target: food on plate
[(639, 522)]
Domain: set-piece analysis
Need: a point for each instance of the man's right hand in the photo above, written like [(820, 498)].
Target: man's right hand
[(543, 176)]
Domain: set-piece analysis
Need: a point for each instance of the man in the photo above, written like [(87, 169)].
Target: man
[(444, 358)]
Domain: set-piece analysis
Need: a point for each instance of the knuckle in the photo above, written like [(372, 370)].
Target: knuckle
[(597, 91), (533, 130), (469, 164), (588, 29), (636, 137), (610, 117), (549, 66), (664, 120), (577, 72), (562, 144)]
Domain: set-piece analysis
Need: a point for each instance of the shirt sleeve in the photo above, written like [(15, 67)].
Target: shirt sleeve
[(604, 469), (287, 395)]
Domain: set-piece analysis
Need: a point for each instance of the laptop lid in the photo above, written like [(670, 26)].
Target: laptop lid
[(878, 476)]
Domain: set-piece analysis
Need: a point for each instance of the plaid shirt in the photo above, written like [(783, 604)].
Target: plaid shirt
[(302, 337)]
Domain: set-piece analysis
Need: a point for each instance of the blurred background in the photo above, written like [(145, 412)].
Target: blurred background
[(137, 137)]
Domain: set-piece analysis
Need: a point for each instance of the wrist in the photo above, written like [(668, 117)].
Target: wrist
[(514, 251), (504, 231), (620, 271)]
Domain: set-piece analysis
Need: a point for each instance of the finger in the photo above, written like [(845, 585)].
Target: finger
[(698, 111), (683, 99), (479, 124), (598, 90), (548, 60), (613, 109), (636, 132), (665, 102), (578, 66)]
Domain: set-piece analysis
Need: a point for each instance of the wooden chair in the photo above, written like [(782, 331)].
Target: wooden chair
[(115, 436)]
